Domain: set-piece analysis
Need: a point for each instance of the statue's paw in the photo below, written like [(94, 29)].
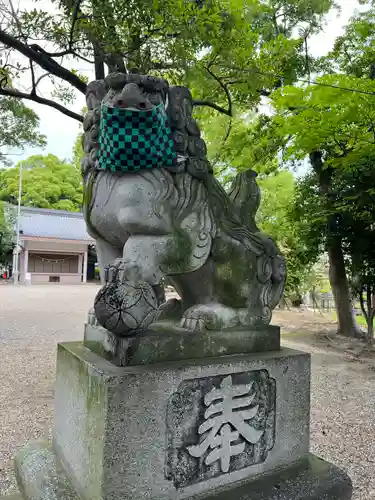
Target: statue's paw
[(121, 271), (124, 270), (210, 317), (172, 309)]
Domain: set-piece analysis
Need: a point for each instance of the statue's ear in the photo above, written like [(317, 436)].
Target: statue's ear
[(95, 94), (176, 107)]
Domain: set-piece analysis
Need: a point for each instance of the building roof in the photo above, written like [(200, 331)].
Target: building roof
[(46, 223)]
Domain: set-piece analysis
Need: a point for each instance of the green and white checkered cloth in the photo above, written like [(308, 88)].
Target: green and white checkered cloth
[(131, 140)]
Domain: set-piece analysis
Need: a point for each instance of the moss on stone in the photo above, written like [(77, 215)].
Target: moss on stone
[(178, 254), (98, 348), (84, 393)]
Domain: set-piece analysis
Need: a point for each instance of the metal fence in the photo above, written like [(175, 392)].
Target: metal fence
[(322, 301)]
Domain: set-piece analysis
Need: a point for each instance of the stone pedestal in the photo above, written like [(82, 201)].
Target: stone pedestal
[(223, 427)]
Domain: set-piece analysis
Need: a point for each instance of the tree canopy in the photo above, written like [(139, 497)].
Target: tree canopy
[(229, 51), (276, 218), (354, 51), (330, 123), (18, 128), (47, 182), (6, 231)]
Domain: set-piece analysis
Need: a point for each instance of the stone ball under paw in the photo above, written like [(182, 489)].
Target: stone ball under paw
[(125, 308)]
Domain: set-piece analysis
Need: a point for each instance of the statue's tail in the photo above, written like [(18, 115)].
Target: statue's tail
[(245, 197)]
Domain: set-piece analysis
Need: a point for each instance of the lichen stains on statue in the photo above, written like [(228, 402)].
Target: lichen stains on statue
[(156, 211)]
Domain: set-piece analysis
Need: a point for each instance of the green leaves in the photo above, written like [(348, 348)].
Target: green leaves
[(337, 117), (7, 219), (354, 51), (217, 47), (277, 216), (47, 183), (18, 127), (78, 153)]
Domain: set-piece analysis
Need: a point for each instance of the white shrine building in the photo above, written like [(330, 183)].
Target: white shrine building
[(54, 246)]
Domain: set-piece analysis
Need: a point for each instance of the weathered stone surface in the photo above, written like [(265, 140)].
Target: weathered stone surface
[(316, 480), (111, 422), (311, 479), (166, 342), (40, 475), (236, 416), (141, 307), (173, 222)]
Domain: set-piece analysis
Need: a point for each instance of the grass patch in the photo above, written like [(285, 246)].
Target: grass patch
[(284, 332), (360, 319)]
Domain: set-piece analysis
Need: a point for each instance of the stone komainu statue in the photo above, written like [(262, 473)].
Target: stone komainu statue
[(159, 215)]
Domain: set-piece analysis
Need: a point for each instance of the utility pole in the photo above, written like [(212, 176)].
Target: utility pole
[(16, 271)]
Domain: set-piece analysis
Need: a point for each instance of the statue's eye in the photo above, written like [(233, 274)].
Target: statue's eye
[(154, 98)]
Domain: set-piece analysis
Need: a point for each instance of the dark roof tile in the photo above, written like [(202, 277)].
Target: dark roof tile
[(45, 223)]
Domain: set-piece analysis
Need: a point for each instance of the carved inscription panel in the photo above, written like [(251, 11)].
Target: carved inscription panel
[(217, 425)]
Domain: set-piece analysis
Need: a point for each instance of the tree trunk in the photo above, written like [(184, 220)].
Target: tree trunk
[(370, 316), (370, 331), (370, 327), (347, 324), (99, 64)]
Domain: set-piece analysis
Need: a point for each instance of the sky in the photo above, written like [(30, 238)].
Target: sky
[(61, 131)]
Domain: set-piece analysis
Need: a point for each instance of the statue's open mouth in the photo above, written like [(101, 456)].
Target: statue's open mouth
[(132, 96), (137, 92)]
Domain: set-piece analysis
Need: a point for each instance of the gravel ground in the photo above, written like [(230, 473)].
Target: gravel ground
[(33, 319), (342, 416)]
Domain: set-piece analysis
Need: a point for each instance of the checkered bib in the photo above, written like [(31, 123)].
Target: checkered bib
[(131, 140)]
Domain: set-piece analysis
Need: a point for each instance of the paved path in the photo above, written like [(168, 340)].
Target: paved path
[(33, 319)]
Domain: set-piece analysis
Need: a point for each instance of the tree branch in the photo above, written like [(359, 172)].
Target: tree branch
[(68, 52), (212, 105), (16, 19), (40, 79), (41, 100), (144, 38), (160, 65), (38, 55), (369, 303), (33, 81), (362, 302), (225, 88), (74, 20), (372, 315), (307, 62)]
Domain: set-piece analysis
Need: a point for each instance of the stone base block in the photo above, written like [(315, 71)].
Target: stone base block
[(179, 429), (314, 479), (40, 475), (167, 342)]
